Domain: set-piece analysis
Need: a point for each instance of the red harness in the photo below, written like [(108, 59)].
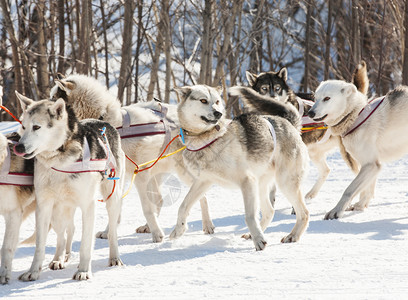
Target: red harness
[(364, 114)]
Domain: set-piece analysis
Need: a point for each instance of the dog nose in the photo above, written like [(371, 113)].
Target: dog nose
[(217, 114), (311, 114)]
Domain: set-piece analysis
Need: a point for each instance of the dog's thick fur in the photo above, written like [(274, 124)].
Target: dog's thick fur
[(274, 85), (51, 133), (241, 153), (90, 99), (381, 138), (16, 203)]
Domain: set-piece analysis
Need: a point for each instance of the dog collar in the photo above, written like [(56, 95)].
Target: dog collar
[(364, 114), (12, 178), (217, 127)]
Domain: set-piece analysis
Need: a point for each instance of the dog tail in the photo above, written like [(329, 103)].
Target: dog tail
[(266, 105), (360, 78)]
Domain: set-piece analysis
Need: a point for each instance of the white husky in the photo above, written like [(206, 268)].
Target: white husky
[(372, 134), (71, 160), (249, 152)]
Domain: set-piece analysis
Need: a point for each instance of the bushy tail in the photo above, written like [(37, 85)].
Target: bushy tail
[(266, 104), (360, 78)]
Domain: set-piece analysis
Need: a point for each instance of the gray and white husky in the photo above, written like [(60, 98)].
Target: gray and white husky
[(318, 141), (71, 161), (90, 99), (250, 152), (372, 133)]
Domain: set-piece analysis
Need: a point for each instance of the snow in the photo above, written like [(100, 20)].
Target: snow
[(362, 256)]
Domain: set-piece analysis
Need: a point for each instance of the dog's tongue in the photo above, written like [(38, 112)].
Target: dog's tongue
[(16, 152)]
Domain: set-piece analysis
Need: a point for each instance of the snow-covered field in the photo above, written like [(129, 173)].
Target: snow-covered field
[(362, 256)]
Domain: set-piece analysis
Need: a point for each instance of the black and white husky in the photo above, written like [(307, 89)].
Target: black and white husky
[(249, 152), (71, 161), (315, 135)]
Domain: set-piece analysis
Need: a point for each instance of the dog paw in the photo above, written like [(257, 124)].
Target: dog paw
[(259, 243), (56, 265), (5, 276), (208, 228), (79, 275), (290, 239), (333, 214), (157, 237), (102, 235), (246, 236), (29, 276), (178, 232), (355, 207), (310, 195), (113, 262), (143, 229)]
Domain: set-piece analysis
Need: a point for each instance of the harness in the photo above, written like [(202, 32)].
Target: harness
[(90, 165), (164, 126), (18, 179), (364, 114), (308, 124)]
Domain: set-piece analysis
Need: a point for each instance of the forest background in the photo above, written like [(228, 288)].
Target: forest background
[(142, 49)]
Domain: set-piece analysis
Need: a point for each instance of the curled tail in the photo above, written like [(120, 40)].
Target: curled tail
[(266, 104), (360, 78)]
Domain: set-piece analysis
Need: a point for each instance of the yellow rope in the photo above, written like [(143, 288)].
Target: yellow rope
[(305, 129), (145, 164)]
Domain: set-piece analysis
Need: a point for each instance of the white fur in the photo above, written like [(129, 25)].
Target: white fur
[(380, 139), (227, 162), (58, 194)]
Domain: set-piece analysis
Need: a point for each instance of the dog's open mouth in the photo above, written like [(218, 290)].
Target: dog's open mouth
[(209, 121), (320, 119)]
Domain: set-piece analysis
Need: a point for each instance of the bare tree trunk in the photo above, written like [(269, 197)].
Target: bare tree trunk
[(61, 29), (105, 41), (167, 46), (138, 45), (378, 83), (255, 57), (328, 41), (206, 46), (43, 81), (307, 47), (84, 43), (126, 65)]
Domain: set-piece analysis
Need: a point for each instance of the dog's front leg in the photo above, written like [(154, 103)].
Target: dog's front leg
[(367, 175), (196, 191), (85, 252), (10, 241), (249, 189), (42, 222)]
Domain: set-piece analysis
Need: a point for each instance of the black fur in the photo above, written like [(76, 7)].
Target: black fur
[(268, 105)]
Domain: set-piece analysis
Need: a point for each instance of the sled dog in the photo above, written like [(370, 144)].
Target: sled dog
[(90, 99), (372, 133), (17, 200), (315, 135), (249, 152), (71, 161)]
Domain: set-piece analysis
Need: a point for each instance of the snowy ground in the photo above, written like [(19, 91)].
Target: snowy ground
[(362, 256)]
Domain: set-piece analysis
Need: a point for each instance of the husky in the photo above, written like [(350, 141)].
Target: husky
[(249, 152), (71, 160), (372, 133), (17, 201), (90, 99), (315, 135)]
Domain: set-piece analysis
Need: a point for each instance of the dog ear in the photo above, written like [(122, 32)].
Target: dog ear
[(66, 86), (219, 89), (60, 76), (58, 108), (251, 77), (24, 101), (348, 90), (183, 91), (283, 73)]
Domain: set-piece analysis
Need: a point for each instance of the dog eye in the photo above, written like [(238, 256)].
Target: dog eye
[(277, 88), (203, 101), (36, 127), (218, 102), (326, 99)]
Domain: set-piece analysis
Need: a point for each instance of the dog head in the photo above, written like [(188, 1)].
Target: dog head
[(200, 109), (333, 101), (271, 83), (44, 126)]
